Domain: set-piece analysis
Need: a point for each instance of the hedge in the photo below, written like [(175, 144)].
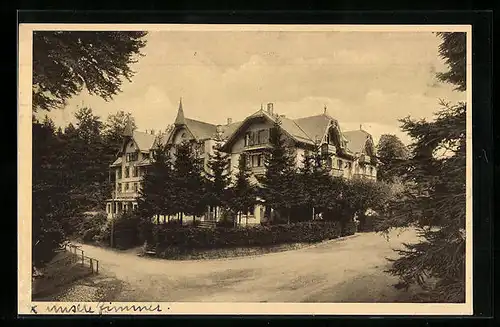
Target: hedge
[(200, 238)]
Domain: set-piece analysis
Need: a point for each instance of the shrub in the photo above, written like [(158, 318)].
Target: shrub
[(197, 238), (127, 230), (91, 226), (225, 223)]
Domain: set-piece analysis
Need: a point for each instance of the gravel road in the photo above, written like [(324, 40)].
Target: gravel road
[(344, 270)]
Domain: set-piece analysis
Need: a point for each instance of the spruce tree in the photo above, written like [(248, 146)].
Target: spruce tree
[(190, 188), (314, 182), (435, 195), (243, 196), (157, 190), (278, 185), (217, 179)]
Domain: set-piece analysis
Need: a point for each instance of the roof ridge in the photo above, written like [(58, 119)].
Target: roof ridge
[(201, 121), (309, 136)]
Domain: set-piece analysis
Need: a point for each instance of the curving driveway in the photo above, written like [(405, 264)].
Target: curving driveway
[(344, 270)]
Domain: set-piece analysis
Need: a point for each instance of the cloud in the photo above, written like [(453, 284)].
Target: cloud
[(368, 78)]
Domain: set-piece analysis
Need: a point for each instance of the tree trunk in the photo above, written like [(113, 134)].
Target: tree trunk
[(313, 214), (181, 214)]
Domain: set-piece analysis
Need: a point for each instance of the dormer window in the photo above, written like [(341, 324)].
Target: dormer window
[(132, 156)]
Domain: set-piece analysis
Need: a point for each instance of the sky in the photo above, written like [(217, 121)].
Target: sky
[(363, 78)]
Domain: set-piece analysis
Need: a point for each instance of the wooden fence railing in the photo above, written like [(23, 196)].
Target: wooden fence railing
[(81, 257)]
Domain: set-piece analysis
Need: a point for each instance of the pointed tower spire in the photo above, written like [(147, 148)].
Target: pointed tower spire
[(179, 120), (129, 130)]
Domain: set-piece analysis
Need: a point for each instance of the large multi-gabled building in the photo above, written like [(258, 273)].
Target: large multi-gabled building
[(351, 154)]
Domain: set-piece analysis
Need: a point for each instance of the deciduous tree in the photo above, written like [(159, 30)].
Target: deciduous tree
[(65, 62), (391, 153)]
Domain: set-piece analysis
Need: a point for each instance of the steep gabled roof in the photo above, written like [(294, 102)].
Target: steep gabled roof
[(117, 162), (228, 130), (356, 140), (294, 130), (200, 130), (314, 126), (144, 140)]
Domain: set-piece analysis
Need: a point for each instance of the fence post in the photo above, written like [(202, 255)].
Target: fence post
[(91, 265), (83, 258), (97, 266)]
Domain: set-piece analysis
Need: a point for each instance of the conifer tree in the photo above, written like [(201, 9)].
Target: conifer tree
[(217, 179), (243, 195), (278, 185), (434, 198), (156, 195), (190, 188), (314, 181)]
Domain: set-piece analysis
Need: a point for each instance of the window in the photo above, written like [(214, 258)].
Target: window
[(134, 206), (371, 170), (132, 156), (119, 173), (247, 139), (119, 187), (126, 186), (262, 137), (108, 208), (126, 172), (349, 165), (329, 163), (135, 187), (136, 171), (259, 160), (339, 163)]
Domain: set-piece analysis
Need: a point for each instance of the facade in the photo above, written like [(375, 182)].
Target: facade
[(127, 170), (351, 154)]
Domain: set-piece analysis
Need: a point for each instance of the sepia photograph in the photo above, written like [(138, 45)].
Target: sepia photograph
[(244, 169)]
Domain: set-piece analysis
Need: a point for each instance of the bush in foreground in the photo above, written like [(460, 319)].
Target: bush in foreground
[(186, 239)]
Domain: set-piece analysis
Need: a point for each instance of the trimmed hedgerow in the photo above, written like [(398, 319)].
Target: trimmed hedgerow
[(199, 238)]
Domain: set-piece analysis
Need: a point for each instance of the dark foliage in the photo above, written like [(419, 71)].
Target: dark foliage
[(434, 197), (392, 155), (199, 238), (64, 62)]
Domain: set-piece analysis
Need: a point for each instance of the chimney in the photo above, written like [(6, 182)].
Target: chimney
[(152, 132), (360, 127), (282, 116), (229, 121), (270, 108)]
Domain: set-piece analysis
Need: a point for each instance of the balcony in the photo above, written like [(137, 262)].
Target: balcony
[(126, 195), (250, 147), (336, 172), (328, 149), (259, 170), (364, 158)]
